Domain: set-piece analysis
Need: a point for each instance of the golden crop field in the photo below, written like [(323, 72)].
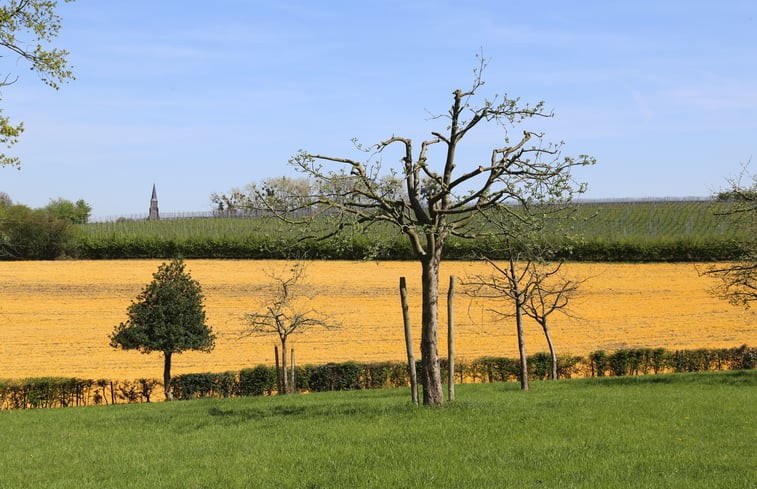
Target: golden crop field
[(55, 317)]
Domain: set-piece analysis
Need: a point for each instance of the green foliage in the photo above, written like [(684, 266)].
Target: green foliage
[(540, 365), (167, 316), (257, 381), (192, 386), (27, 27), (134, 391), (641, 361), (27, 234), (47, 392), (335, 377), (261, 380), (496, 369), (76, 213), (737, 195), (378, 375)]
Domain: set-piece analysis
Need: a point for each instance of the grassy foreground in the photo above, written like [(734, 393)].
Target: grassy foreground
[(682, 430)]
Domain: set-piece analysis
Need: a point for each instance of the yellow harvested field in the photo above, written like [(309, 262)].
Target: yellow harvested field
[(55, 317)]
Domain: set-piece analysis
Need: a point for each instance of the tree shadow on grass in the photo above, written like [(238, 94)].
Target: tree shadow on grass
[(325, 409)]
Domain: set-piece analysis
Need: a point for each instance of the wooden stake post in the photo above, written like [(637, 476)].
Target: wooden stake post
[(293, 387), (278, 369), (451, 340), (408, 341)]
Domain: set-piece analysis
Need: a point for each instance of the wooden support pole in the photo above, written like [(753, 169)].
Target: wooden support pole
[(278, 369), (451, 339), (408, 341), (294, 386)]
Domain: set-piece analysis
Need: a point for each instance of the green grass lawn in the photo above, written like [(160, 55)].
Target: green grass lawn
[(682, 430)]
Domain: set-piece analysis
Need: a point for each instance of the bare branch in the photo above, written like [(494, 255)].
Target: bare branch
[(283, 311)]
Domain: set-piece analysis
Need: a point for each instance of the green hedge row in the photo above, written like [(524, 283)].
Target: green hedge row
[(644, 360), (654, 250), (261, 380), (353, 375), (358, 247), (64, 391)]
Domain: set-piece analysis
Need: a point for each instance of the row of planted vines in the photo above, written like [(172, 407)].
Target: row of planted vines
[(607, 220), (55, 317), (614, 232)]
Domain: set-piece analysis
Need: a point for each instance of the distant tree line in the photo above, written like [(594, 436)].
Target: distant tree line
[(46, 233)]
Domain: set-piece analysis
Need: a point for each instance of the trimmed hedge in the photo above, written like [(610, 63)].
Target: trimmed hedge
[(192, 386), (642, 361), (64, 391), (261, 380), (683, 249), (257, 381)]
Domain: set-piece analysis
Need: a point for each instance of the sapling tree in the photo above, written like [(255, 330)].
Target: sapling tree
[(524, 285), (434, 192), (506, 289), (168, 316), (550, 292), (284, 311), (519, 289)]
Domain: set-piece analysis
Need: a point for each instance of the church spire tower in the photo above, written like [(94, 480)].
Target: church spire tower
[(154, 215)]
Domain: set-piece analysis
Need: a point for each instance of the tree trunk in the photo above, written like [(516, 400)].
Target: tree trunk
[(431, 378), (408, 342), (517, 293), (167, 375), (552, 353)]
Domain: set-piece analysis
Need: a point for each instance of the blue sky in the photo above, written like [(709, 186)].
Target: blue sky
[(200, 97)]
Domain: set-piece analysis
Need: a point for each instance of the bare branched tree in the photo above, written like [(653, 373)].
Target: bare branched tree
[(738, 281), (550, 292), (429, 203), (526, 284), (284, 312), (518, 289), (509, 286)]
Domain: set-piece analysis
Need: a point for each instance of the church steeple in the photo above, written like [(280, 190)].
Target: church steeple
[(154, 215)]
